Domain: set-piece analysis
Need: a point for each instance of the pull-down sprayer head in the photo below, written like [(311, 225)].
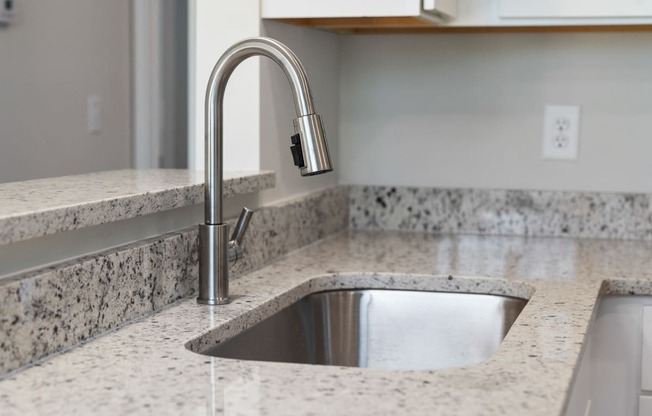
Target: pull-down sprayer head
[(309, 146)]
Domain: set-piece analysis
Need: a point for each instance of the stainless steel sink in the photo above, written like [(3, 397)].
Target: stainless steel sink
[(388, 329)]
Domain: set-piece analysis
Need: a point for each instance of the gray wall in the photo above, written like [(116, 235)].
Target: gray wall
[(51, 59), (466, 110), (174, 51)]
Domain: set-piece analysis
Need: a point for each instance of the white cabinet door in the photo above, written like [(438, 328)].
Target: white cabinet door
[(293, 9), (574, 8)]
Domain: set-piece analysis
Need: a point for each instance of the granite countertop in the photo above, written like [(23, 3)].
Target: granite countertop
[(47, 206), (144, 367)]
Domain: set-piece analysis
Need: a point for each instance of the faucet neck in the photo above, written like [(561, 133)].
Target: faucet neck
[(223, 69), (309, 151)]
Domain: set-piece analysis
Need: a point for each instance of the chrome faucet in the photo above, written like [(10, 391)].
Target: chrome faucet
[(309, 151)]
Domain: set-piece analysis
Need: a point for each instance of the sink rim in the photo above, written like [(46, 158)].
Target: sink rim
[(275, 302), (355, 328)]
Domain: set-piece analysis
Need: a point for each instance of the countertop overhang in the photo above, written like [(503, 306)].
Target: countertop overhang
[(48, 206)]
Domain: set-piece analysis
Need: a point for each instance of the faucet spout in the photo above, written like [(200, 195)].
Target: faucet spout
[(309, 151)]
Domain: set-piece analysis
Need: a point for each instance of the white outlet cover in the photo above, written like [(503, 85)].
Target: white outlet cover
[(561, 132)]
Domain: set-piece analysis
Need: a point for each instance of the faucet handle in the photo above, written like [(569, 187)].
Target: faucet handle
[(297, 152), (241, 226)]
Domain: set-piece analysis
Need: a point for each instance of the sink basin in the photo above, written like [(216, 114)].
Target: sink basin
[(385, 329)]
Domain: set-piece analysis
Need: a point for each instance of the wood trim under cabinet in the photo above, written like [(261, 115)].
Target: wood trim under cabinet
[(416, 25), (345, 24), (501, 29)]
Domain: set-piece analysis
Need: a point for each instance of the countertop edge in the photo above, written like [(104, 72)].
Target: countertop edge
[(129, 194)]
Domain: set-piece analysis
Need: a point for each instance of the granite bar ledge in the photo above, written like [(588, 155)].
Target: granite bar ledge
[(42, 207)]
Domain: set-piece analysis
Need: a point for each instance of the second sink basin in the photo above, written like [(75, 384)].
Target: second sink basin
[(385, 329)]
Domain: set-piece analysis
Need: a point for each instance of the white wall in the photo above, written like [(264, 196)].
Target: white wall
[(466, 110), (51, 59), (319, 54), (214, 26)]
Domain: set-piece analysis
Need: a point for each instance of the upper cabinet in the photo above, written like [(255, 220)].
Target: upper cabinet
[(344, 14), (574, 9), (354, 16)]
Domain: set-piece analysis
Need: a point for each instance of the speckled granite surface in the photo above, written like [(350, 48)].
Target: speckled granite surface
[(502, 212), (46, 206), (51, 309), (144, 368)]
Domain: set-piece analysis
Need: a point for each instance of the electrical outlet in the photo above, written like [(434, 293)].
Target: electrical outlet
[(561, 130)]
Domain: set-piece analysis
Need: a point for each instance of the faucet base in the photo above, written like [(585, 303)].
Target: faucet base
[(213, 264), (213, 303)]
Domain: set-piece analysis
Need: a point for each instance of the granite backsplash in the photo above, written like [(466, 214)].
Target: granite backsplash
[(502, 212)]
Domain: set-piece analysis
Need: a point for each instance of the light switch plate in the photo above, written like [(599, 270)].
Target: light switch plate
[(93, 114), (7, 11)]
